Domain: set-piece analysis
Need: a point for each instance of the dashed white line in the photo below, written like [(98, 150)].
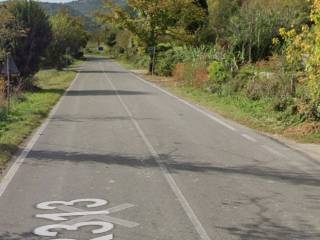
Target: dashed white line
[(21, 158), (172, 183), (270, 149), (249, 137)]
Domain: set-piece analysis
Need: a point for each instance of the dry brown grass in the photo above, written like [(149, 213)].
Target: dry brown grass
[(2, 96), (201, 77), (197, 76), (178, 72), (304, 129)]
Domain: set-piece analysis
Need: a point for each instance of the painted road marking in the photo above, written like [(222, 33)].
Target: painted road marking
[(84, 218), (221, 122), (273, 151), (45, 230), (63, 216), (94, 203), (249, 137), (21, 158), (172, 183), (116, 221)]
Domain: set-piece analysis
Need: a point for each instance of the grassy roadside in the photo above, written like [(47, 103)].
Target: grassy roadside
[(29, 109), (258, 115), (254, 114), (126, 64)]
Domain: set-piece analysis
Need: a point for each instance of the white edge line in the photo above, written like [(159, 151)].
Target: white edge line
[(172, 183), (270, 149), (5, 181), (249, 137), (221, 122)]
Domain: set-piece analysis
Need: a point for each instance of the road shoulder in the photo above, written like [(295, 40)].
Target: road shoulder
[(309, 149)]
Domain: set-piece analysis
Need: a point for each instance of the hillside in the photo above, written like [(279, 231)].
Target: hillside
[(86, 7), (83, 8), (53, 8)]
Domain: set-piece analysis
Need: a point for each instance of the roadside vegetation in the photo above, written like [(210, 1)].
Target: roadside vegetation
[(29, 108), (42, 48), (254, 61)]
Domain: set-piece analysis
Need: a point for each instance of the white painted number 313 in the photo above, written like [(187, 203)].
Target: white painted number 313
[(51, 230), (51, 205)]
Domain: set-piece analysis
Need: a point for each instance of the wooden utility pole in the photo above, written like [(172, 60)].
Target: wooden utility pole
[(8, 82)]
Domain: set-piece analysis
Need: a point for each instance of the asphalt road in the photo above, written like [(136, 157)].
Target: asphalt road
[(120, 158)]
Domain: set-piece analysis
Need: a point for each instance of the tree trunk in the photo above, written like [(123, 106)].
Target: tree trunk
[(151, 65)]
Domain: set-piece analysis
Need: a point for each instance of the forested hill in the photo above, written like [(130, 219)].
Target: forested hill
[(53, 8), (83, 8)]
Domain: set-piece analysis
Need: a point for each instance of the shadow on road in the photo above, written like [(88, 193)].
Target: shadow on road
[(286, 176), (102, 71), (20, 236), (265, 227), (103, 93), (96, 119)]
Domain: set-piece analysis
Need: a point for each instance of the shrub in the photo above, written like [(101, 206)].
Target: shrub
[(167, 60), (239, 82), (268, 85), (218, 75), (281, 104), (142, 61)]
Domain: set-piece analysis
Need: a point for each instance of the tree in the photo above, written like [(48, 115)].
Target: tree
[(302, 52), (156, 21), (28, 49), (10, 29), (68, 36), (203, 4), (111, 39), (251, 30), (220, 12)]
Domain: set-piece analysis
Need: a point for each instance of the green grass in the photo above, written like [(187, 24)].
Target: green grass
[(258, 114), (29, 109), (255, 114), (126, 64)]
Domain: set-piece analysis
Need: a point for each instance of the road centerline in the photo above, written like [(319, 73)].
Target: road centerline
[(172, 183)]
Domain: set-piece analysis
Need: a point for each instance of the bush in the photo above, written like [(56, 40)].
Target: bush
[(166, 61), (218, 75), (240, 80), (281, 104), (142, 62), (268, 85)]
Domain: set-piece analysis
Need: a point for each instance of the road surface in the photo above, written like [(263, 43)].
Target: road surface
[(120, 158)]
